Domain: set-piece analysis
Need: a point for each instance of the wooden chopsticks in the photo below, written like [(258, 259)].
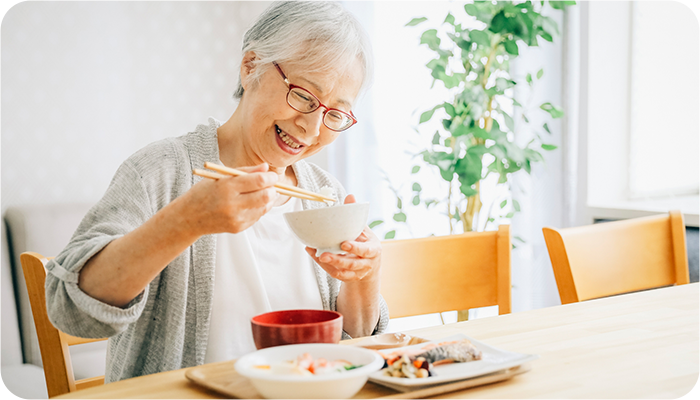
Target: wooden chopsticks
[(281, 188)]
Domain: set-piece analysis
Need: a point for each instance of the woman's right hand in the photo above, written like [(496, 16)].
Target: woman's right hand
[(231, 204)]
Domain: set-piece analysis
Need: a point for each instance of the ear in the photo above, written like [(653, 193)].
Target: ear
[(247, 68)]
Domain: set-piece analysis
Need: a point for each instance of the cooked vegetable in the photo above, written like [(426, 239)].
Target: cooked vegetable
[(419, 363)]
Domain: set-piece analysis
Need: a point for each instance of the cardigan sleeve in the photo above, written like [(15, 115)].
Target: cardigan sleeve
[(124, 207)]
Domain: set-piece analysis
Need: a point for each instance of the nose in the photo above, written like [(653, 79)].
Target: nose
[(312, 122)]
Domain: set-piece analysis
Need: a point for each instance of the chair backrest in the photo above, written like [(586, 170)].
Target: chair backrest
[(447, 273), (53, 343), (618, 257)]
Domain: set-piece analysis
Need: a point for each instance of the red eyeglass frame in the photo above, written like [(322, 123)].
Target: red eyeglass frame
[(292, 86)]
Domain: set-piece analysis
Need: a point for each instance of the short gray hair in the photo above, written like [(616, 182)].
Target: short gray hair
[(320, 36)]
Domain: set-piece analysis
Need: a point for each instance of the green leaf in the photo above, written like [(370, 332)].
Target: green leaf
[(498, 23), (450, 19), (425, 117), (416, 200), (415, 169), (460, 130), (430, 38), (416, 21), (528, 78), (518, 238), (509, 121), (480, 133), (549, 25), (556, 4), (546, 36), (416, 187), (516, 205), (450, 109), (503, 203), (553, 110), (533, 155), (480, 37), (390, 235), (446, 124), (399, 203), (503, 83), (375, 223), (469, 168), (400, 217), (549, 146), (447, 175), (511, 47), (546, 128), (436, 138), (516, 103), (467, 191), (540, 73), (471, 9), (510, 214)]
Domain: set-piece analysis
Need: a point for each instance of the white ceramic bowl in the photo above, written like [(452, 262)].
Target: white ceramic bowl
[(340, 385), (324, 229)]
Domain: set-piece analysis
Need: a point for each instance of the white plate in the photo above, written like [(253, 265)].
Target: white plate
[(492, 360)]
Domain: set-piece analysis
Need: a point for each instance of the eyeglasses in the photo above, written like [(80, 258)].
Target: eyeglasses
[(305, 102)]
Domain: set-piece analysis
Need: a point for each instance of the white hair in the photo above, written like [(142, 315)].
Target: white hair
[(318, 36)]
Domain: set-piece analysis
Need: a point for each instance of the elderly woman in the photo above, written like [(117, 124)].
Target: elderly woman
[(171, 267)]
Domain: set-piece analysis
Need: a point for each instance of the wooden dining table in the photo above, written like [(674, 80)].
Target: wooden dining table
[(637, 345)]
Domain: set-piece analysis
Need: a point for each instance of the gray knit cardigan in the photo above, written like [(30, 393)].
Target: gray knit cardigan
[(166, 327)]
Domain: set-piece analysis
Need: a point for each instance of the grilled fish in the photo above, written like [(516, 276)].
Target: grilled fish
[(458, 351)]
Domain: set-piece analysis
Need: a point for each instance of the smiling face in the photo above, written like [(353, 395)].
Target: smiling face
[(272, 131)]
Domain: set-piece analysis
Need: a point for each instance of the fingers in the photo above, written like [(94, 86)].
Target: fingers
[(252, 182), (346, 267), (264, 167), (367, 245)]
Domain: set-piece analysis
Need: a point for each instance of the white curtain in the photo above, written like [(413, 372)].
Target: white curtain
[(353, 157)]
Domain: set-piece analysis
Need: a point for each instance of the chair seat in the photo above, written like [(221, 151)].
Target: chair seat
[(25, 381)]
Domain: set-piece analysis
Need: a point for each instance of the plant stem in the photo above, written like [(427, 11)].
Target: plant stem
[(449, 206), (487, 67), (474, 202), (473, 207)]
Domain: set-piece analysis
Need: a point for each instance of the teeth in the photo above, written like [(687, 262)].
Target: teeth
[(286, 139)]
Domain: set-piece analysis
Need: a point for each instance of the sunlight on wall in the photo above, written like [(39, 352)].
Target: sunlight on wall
[(664, 122), (402, 91)]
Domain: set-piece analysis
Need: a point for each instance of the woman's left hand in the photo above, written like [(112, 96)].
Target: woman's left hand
[(361, 260)]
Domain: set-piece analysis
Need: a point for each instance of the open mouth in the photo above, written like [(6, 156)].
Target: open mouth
[(288, 139)]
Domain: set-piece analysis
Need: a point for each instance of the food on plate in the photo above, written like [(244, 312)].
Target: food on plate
[(307, 365), (418, 363)]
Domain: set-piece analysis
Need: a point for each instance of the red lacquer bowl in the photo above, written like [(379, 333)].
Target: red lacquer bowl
[(278, 328)]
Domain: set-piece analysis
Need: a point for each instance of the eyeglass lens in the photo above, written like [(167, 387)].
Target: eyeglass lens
[(304, 102)]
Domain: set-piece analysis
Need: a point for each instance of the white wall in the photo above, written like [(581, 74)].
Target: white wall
[(608, 91), (86, 84)]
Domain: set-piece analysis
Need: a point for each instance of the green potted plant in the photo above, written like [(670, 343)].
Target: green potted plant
[(477, 135)]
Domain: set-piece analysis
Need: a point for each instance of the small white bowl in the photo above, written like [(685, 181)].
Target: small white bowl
[(341, 385), (324, 229)]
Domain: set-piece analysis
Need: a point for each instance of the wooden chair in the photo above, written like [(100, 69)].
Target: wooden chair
[(447, 273), (618, 257), (53, 343)]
